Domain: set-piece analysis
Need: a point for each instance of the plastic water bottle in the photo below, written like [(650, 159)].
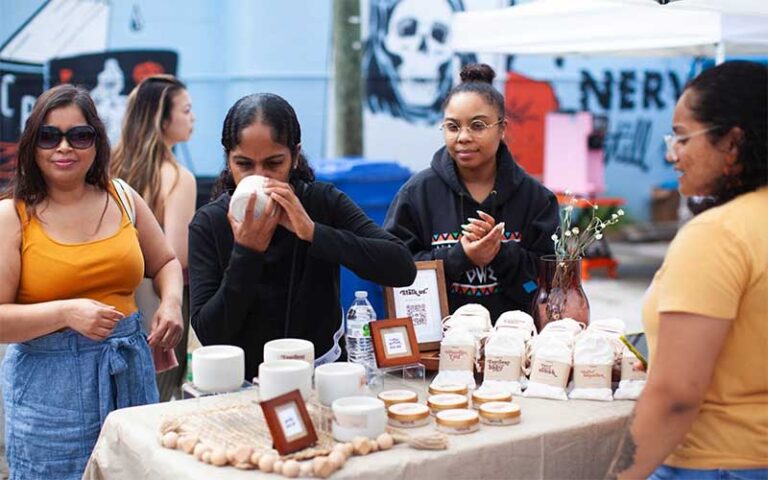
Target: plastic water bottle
[(358, 332)]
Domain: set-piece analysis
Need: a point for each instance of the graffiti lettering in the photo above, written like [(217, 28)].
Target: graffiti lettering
[(651, 89), (627, 143), (600, 90), (5, 83), (627, 90)]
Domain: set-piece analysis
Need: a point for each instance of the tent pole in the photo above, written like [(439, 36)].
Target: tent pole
[(719, 53)]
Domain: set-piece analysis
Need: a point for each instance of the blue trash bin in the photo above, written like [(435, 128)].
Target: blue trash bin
[(371, 184)]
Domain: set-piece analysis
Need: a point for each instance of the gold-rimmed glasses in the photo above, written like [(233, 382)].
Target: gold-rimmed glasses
[(475, 129)]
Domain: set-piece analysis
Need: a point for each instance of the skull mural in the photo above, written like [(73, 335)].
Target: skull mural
[(408, 61), (418, 35)]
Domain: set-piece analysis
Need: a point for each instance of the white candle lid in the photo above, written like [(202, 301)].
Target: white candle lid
[(500, 410), (447, 399), (408, 411), (457, 417)]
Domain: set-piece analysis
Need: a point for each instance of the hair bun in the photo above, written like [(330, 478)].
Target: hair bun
[(477, 72)]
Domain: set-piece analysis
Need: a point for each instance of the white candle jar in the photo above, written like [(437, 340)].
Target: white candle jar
[(480, 397), (446, 401), (392, 397), (408, 415), (500, 413), (457, 421)]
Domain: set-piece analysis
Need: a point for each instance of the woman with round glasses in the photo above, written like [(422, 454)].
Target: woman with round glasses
[(71, 260), (703, 412), (159, 116), (474, 208)]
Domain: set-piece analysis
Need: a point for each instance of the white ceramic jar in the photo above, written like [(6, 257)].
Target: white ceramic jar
[(289, 349), (218, 368), (283, 376), (239, 201), (337, 380), (358, 417)]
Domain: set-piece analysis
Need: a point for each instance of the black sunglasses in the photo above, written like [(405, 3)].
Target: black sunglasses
[(80, 137)]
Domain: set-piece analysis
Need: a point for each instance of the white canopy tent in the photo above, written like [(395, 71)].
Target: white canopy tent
[(617, 27), (60, 28)]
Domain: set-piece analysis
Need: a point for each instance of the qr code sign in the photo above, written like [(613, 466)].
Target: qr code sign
[(418, 314)]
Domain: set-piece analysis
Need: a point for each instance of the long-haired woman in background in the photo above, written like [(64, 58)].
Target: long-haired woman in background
[(157, 117)]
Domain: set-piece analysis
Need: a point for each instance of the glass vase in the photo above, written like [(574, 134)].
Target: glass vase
[(559, 294)]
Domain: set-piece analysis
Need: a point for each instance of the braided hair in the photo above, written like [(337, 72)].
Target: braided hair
[(273, 111)]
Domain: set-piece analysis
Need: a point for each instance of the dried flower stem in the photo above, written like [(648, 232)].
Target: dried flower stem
[(570, 244)]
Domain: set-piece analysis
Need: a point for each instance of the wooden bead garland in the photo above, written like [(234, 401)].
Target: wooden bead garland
[(244, 457), (321, 466)]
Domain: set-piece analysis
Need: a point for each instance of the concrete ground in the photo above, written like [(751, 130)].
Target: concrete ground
[(616, 298), (623, 297)]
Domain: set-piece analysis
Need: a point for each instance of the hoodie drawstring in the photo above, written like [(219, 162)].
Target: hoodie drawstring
[(293, 271), (494, 195)]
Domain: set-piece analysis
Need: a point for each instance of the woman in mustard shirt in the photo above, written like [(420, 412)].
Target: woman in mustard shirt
[(704, 411), (71, 260)]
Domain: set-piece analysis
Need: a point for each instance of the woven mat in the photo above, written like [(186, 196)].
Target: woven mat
[(243, 424)]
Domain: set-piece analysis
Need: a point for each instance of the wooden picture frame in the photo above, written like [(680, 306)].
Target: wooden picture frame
[(289, 422), (425, 301), (394, 342)]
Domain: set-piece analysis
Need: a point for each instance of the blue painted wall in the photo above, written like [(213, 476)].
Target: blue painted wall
[(227, 49), (231, 48)]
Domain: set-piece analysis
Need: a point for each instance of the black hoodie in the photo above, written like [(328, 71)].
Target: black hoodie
[(430, 208), (245, 298)]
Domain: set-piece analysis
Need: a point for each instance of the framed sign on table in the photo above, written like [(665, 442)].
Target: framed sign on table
[(289, 422), (425, 301), (394, 342)]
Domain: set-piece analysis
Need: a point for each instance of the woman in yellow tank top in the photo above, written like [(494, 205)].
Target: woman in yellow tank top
[(71, 260)]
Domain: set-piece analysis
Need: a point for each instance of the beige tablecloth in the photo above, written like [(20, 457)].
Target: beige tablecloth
[(555, 439)]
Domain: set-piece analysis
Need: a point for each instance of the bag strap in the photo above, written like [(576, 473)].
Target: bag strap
[(125, 197)]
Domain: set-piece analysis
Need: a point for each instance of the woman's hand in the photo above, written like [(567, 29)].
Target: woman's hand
[(256, 233), (167, 326), (476, 228), (293, 217), (482, 252), (90, 318)]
